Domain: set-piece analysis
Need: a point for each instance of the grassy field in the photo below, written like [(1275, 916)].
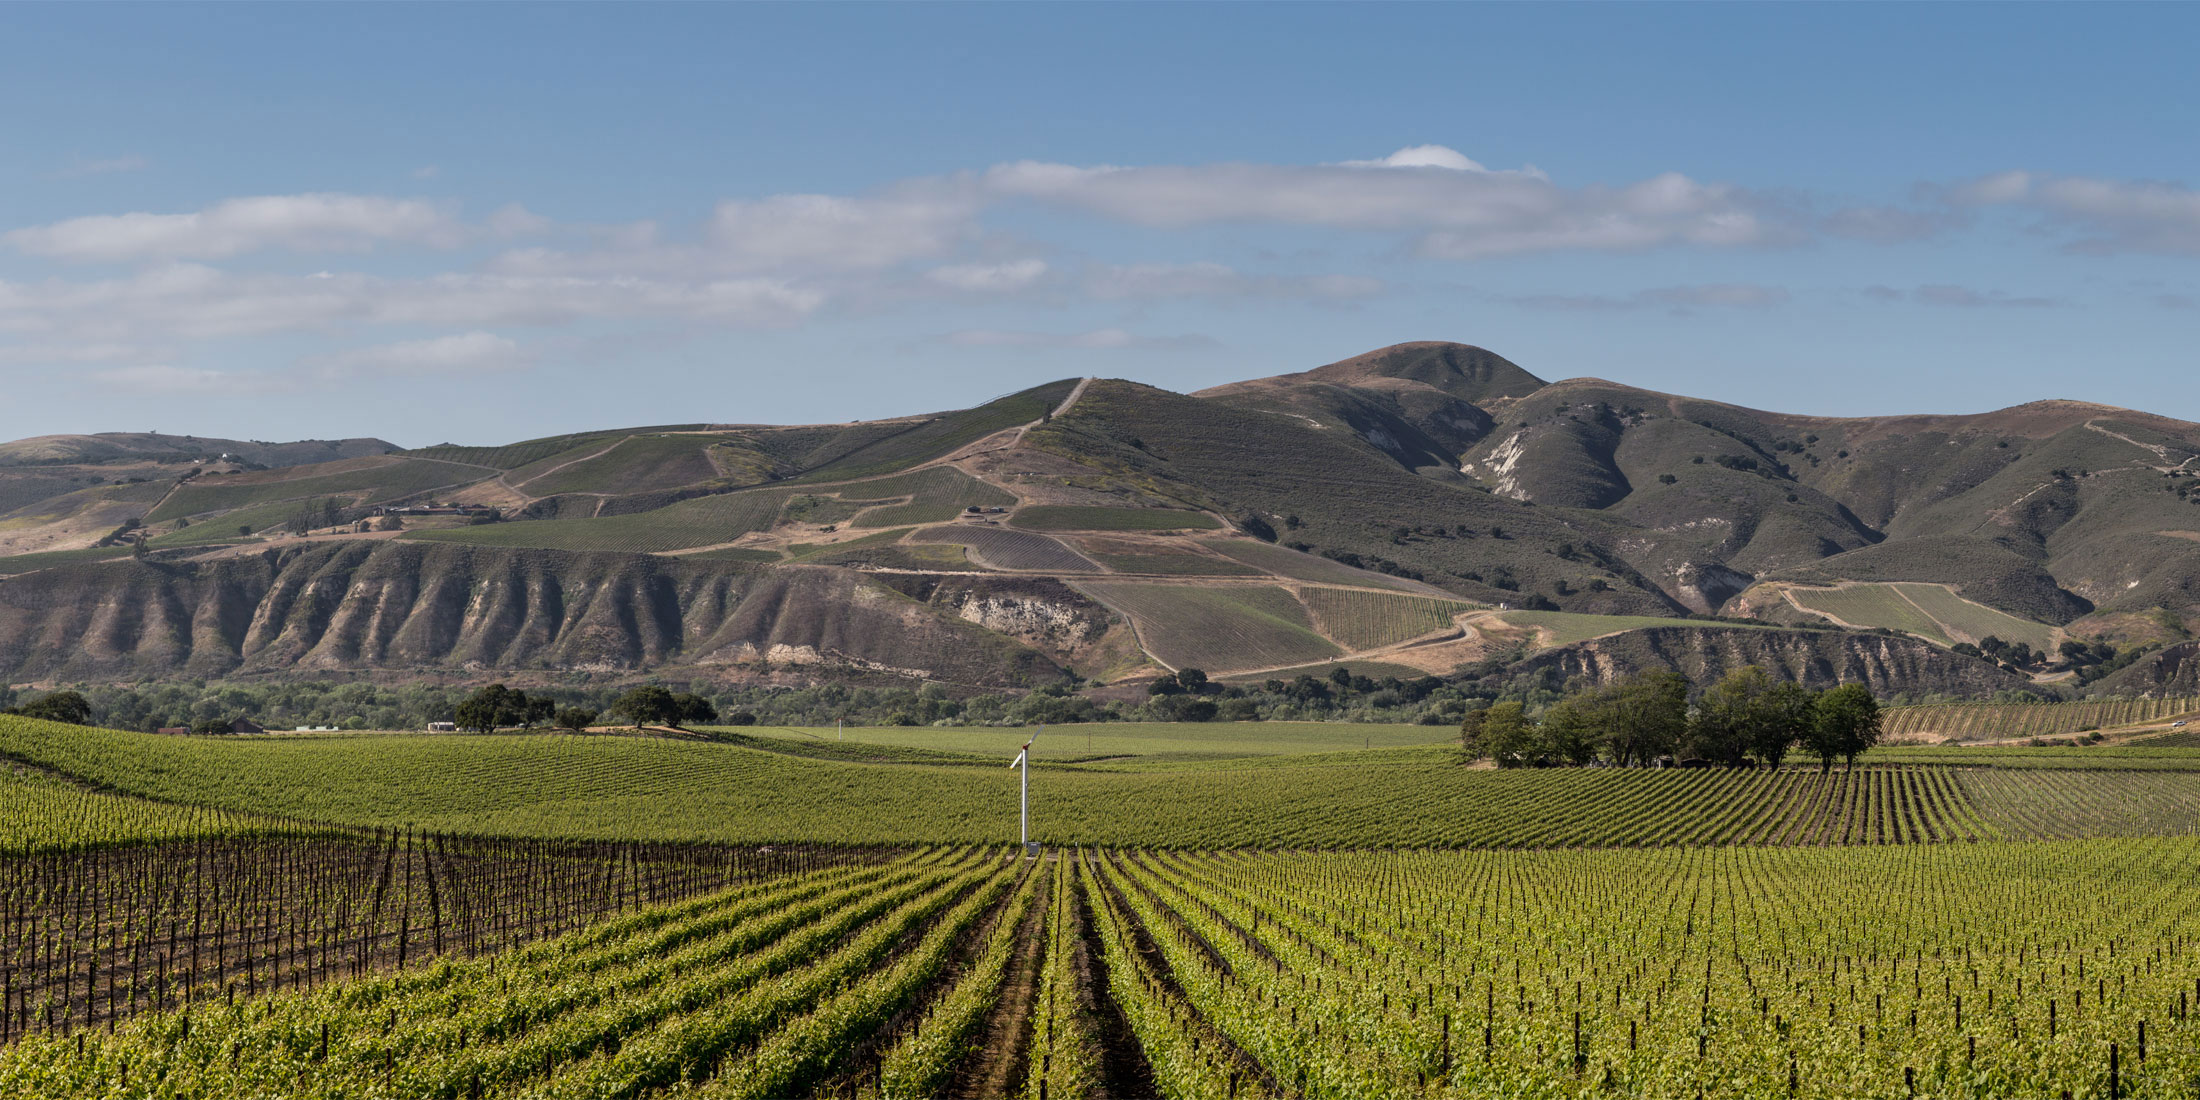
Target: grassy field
[(670, 790), (1204, 975), (31, 563), (1006, 549), (1062, 517), (942, 435), (1286, 562), (1217, 908), (40, 814), (1926, 610), (1968, 619), (935, 495), (1217, 629), (1170, 561), (512, 456), (1870, 605), (1359, 619), (636, 464), (702, 521), (224, 527), (1988, 721), (1561, 628), (359, 481), (1124, 742), (1372, 669)]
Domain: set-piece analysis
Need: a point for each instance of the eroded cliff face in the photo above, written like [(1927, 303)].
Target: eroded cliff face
[(1817, 659), (1039, 612), (402, 606), (2173, 671)]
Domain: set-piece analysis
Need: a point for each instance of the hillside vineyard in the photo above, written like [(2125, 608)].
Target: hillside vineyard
[(1097, 531), (1410, 727), (1750, 971)]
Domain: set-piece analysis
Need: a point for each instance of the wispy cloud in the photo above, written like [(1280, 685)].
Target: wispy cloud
[(1675, 299), (2097, 215), (196, 302), (1106, 339), (1110, 282), (460, 353), (164, 379), (994, 278), (1451, 206), (299, 223), (1958, 297)]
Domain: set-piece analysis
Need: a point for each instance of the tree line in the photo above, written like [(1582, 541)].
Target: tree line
[(1746, 718), (496, 707)]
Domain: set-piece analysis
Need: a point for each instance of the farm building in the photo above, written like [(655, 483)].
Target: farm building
[(246, 725)]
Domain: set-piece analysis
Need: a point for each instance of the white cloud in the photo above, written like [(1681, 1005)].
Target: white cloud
[(195, 302), (303, 223), (1422, 156), (1678, 299), (779, 235), (1966, 298), (461, 353), (163, 379), (861, 234), (1213, 280), (1000, 278), (1106, 339), (1457, 209), (2102, 215)]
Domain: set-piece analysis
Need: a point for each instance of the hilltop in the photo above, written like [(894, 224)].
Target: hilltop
[(1426, 509)]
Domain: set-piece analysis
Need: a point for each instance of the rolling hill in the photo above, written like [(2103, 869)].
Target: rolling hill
[(1429, 507)]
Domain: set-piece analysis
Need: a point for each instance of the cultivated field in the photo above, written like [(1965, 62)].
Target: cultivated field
[(1217, 629), (1927, 610), (935, 495), (1562, 628), (1286, 562), (359, 481), (1358, 619), (704, 521), (1062, 517), (1988, 721), (1005, 549), (811, 912)]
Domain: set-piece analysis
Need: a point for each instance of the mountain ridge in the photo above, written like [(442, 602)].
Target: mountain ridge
[(1289, 503)]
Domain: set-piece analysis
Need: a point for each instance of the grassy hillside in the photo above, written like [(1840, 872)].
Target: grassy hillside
[(1872, 605), (512, 456), (1988, 721), (935, 495), (1216, 629), (357, 481), (941, 435), (1057, 517), (1561, 628), (1359, 619), (1926, 610), (704, 521), (1005, 549), (636, 464)]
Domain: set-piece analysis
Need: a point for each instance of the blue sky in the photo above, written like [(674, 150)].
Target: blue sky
[(491, 222)]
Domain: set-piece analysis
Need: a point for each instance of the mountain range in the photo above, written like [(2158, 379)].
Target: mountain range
[(1423, 509)]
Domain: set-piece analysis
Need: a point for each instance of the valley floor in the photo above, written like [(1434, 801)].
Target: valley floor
[(1308, 911)]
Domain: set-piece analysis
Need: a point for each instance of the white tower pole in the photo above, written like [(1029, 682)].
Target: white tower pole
[(1023, 795)]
